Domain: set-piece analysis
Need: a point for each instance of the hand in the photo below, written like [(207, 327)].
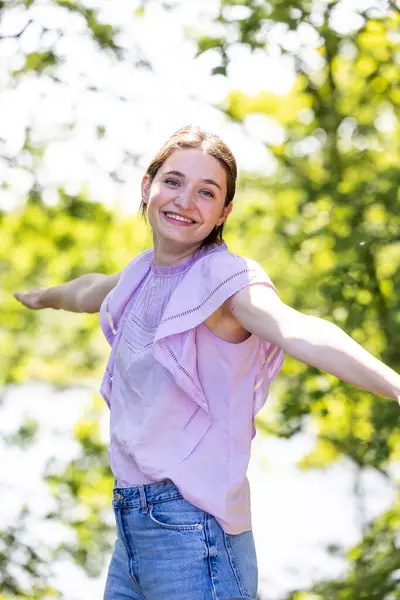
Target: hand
[(33, 299)]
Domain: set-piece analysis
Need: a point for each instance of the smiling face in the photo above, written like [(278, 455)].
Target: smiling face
[(186, 199)]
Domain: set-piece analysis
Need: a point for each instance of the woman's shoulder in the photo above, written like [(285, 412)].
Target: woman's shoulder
[(224, 269), (131, 275), (133, 266), (223, 261), (144, 256), (211, 280)]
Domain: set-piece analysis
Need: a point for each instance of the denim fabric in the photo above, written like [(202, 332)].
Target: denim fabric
[(168, 549)]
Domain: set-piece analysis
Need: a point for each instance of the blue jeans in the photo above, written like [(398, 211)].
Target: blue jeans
[(168, 549)]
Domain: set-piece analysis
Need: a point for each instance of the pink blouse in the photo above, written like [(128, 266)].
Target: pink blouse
[(183, 401)]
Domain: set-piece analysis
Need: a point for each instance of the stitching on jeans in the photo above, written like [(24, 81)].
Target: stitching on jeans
[(127, 503), (208, 540), (232, 562), (130, 556), (179, 497), (171, 527)]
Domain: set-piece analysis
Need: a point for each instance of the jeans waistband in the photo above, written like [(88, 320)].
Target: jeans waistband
[(143, 495)]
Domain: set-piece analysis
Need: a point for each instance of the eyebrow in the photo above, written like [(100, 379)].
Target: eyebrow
[(209, 181)]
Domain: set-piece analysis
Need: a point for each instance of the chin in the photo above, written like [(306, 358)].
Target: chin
[(185, 241)]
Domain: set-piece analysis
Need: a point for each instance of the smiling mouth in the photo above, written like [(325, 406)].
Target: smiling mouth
[(178, 218)]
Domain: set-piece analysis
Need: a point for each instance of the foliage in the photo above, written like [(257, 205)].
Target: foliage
[(46, 243), (52, 245), (326, 226)]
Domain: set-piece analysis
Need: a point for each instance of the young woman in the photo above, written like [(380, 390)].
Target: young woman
[(197, 334)]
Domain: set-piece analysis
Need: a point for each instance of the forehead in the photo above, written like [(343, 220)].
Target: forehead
[(195, 163)]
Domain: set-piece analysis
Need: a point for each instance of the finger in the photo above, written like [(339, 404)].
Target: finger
[(21, 295), (25, 299)]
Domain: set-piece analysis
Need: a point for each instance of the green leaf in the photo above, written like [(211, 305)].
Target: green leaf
[(39, 62)]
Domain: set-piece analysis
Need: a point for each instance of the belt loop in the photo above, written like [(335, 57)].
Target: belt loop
[(143, 500)]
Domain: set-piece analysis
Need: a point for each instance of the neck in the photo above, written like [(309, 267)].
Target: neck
[(167, 256)]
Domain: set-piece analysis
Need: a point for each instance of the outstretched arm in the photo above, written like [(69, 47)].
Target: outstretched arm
[(83, 294), (313, 341)]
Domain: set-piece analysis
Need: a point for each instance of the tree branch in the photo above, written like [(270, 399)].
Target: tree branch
[(16, 36)]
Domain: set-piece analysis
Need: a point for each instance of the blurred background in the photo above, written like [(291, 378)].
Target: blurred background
[(306, 94)]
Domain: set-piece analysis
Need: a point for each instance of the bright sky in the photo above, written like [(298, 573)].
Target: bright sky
[(179, 91), (295, 514)]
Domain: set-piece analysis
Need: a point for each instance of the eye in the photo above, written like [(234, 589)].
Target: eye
[(208, 193), (171, 182)]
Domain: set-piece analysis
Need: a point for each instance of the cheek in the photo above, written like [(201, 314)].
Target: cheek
[(211, 210), (154, 201), (158, 196), (152, 209)]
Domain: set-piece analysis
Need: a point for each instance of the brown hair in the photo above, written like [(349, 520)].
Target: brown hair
[(192, 136)]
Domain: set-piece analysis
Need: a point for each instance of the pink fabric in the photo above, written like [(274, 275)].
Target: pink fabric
[(136, 373), (199, 429)]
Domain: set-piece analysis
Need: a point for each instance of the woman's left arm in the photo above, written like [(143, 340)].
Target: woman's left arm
[(312, 340)]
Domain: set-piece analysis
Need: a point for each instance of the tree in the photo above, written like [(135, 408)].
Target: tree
[(328, 221), (49, 234)]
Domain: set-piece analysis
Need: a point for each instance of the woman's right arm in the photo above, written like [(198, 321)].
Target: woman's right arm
[(83, 294)]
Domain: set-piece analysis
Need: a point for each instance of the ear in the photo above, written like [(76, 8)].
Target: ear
[(225, 213), (145, 188)]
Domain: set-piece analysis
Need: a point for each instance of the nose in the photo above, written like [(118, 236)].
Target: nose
[(185, 197)]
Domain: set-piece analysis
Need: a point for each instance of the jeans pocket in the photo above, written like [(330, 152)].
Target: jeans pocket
[(178, 514), (243, 559)]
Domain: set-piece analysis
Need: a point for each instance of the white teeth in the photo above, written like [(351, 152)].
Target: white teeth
[(178, 218)]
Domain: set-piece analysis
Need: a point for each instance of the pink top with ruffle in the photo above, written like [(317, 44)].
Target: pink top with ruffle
[(183, 401)]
